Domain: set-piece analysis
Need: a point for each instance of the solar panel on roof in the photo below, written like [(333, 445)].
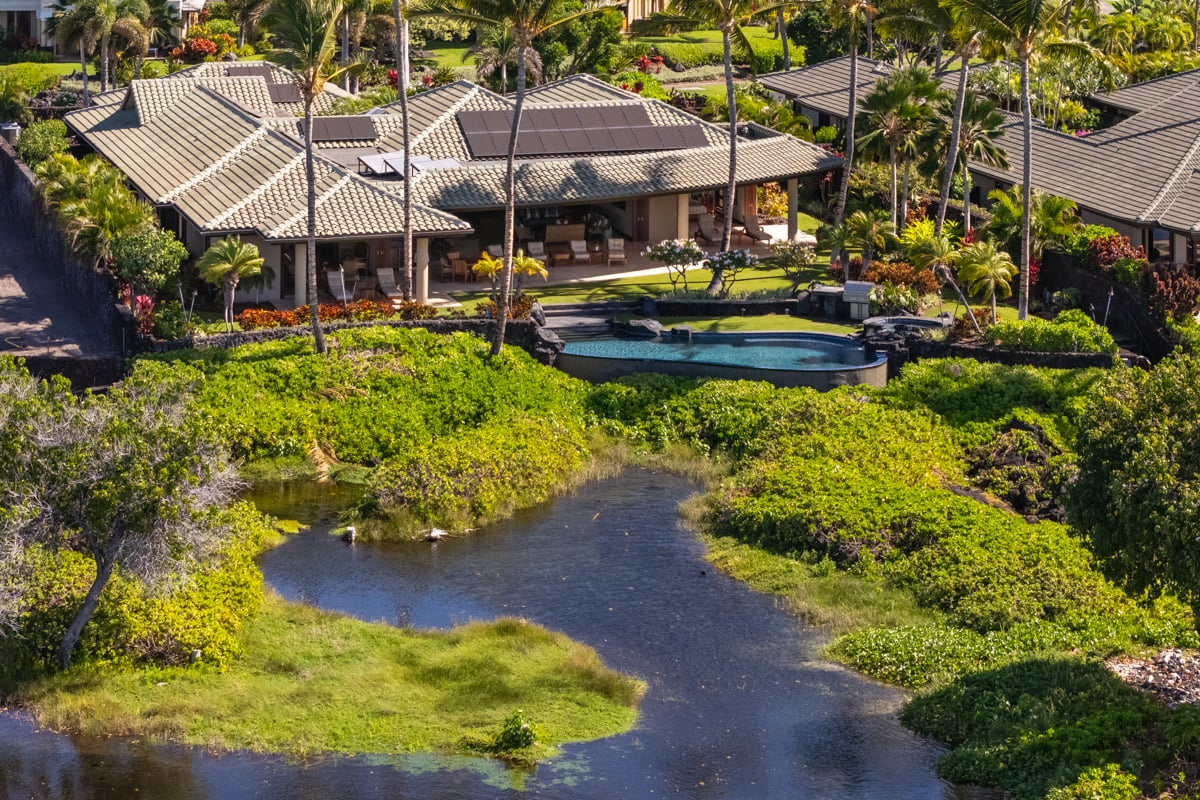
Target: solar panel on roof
[(284, 92), (247, 70), (337, 129), (568, 131)]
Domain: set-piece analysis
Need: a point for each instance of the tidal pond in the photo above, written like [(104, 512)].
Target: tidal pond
[(740, 705)]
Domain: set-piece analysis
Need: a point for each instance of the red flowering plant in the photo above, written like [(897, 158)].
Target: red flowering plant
[(143, 312)]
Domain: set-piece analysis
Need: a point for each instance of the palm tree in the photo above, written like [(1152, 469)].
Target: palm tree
[(306, 32), (527, 19), (854, 12), (78, 24), (979, 127), (1019, 25), (495, 53), (226, 263), (871, 231), (62, 178), (248, 14), (895, 113), (1053, 219), (986, 271), (108, 212)]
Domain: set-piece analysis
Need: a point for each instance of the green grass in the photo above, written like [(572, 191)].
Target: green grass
[(767, 322), (311, 681), (450, 55), (634, 288), (817, 592)]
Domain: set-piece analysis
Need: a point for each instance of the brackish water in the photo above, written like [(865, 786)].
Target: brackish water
[(739, 706)]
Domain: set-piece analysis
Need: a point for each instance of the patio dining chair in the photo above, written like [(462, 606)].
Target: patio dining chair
[(579, 252), (387, 284), (616, 251), (708, 230), (336, 278), (754, 229)]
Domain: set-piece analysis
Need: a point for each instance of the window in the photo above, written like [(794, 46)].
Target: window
[(1160, 244)]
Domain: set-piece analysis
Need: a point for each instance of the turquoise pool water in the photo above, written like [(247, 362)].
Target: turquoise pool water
[(761, 351)]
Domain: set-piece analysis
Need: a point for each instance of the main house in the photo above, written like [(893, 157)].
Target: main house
[(219, 151)]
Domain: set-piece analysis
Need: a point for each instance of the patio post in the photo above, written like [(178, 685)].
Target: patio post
[(682, 203), (421, 271), (300, 274), (793, 203)]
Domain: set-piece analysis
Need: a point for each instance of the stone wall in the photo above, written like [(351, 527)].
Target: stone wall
[(93, 288), (541, 343), (919, 347), (667, 307), (1128, 316)]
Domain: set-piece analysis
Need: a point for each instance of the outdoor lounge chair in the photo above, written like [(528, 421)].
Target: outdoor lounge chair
[(708, 229), (336, 278), (538, 250), (579, 252), (754, 230), (616, 251), (496, 250), (387, 284)]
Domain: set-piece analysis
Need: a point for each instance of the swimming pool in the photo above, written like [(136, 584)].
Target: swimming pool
[(820, 361)]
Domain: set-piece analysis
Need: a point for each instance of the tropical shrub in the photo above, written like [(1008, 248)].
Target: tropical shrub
[(463, 481), (148, 260), (1173, 295), (1080, 245), (901, 273), (1109, 782), (890, 298), (1106, 251), (357, 311), (133, 624), (41, 140), (1070, 332), (640, 83)]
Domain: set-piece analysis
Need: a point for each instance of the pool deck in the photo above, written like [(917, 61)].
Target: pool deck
[(637, 266)]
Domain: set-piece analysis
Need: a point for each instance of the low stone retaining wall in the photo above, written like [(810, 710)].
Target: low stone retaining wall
[(919, 348), (541, 343)]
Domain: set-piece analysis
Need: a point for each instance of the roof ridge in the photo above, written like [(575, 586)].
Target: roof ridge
[(258, 192), (414, 142), (1169, 191), (233, 153), (325, 195)]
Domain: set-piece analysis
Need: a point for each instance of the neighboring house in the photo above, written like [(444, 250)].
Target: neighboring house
[(219, 150), (28, 17), (1140, 176), (1124, 103), (821, 91), (640, 9)]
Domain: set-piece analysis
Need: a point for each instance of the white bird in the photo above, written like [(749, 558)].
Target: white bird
[(351, 534), (436, 535)]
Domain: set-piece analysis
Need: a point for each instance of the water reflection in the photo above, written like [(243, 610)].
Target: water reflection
[(740, 705)]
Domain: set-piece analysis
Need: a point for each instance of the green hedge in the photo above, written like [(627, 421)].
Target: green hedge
[(381, 393), (1072, 331)]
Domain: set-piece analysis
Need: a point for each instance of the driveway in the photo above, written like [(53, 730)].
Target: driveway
[(37, 316)]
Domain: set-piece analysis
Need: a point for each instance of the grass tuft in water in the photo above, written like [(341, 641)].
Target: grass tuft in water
[(311, 681)]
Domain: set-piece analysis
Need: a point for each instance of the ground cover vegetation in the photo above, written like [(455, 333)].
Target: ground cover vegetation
[(892, 517), (151, 591)]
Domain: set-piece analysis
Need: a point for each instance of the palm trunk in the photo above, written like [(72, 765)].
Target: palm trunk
[(510, 205), (714, 286), (1196, 25), (83, 65), (955, 134), (242, 34), (892, 186), (137, 67), (994, 320), (230, 290), (937, 56), (104, 571), (966, 198), (310, 176), (1027, 179), (345, 49), (870, 36), (962, 298), (904, 194), (406, 275), (406, 67), (781, 25), (848, 158), (103, 64)]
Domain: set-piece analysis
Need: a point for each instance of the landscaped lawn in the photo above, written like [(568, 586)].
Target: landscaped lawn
[(769, 322), (697, 48)]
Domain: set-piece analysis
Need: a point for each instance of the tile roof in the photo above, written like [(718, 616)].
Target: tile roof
[(575, 89), (223, 77), (228, 172), (826, 86), (1142, 170), (479, 184), (1141, 96)]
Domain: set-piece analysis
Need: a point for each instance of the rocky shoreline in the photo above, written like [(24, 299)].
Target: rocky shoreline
[(1172, 676)]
